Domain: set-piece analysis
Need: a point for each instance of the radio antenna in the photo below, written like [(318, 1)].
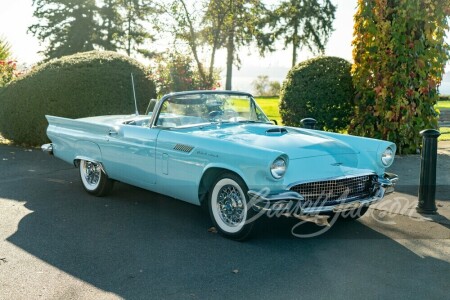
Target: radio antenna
[(134, 96)]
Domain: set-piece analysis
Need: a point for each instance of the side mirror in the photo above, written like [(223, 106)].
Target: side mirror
[(274, 122), (308, 123)]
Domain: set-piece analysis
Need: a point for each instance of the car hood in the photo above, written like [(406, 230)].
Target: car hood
[(295, 142)]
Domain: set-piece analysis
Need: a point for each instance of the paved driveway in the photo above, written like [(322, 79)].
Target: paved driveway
[(57, 242)]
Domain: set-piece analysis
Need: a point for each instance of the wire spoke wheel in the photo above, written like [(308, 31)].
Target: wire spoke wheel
[(228, 207), (94, 180)]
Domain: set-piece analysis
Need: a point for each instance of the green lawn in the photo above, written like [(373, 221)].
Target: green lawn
[(442, 104), (270, 107)]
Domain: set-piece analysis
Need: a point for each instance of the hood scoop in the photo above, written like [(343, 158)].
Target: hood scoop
[(276, 131)]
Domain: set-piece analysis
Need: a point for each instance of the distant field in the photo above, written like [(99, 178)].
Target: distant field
[(270, 107)]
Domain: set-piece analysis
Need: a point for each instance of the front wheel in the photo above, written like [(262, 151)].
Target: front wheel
[(94, 180), (228, 207)]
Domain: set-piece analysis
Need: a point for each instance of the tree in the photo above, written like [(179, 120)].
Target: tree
[(274, 88), (70, 27), (239, 27), (136, 33), (263, 87), (175, 72), (399, 58), (187, 24), (260, 85), (303, 23), (67, 26)]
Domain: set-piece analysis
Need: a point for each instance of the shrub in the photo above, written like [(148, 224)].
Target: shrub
[(399, 57), (81, 85), (320, 88)]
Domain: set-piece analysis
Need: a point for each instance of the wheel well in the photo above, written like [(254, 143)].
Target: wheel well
[(207, 180), (76, 162)]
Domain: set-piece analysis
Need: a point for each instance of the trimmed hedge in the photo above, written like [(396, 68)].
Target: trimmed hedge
[(81, 85), (319, 88)]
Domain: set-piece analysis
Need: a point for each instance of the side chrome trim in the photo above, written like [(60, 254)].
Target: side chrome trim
[(47, 148)]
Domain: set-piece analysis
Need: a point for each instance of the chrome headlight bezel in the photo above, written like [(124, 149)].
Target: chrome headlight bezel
[(278, 167), (387, 157)]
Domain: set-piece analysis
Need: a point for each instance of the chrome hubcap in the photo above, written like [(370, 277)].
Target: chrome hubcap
[(91, 173), (231, 205)]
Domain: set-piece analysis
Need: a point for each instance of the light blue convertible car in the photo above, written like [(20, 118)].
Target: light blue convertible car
[(218, 149)]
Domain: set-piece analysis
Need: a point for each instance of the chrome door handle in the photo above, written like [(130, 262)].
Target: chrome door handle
[(112, 133)]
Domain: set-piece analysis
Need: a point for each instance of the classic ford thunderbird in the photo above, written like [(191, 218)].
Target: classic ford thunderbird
[(218, 149)]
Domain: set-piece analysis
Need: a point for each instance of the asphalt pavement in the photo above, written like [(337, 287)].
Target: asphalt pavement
[(57, 242)]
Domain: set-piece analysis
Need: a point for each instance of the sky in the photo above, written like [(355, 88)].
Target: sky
[(17, 15)]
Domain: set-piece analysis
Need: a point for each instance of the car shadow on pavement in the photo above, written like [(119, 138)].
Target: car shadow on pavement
[(137, 244)]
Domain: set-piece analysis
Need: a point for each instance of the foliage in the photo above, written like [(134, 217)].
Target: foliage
[(302, 23), (264, 87), (209, 25), (320, 88), (399, 57), (70, 27), (174, 72), (186, 23), (81, 85), (274, 88), (5, 49), (7, 71), (239, 27), (7, 67), (123, 25)]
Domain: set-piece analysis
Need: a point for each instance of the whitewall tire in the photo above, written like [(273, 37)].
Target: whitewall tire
[(94, 180), (228, 207)]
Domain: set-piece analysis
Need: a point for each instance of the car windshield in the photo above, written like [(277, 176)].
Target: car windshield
[(200, 108)]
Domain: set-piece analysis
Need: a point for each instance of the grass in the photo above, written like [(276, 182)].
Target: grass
[(442, 104), (270, 107)]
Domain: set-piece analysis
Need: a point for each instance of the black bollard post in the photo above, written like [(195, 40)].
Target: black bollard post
[(308, 123), (427, 187)]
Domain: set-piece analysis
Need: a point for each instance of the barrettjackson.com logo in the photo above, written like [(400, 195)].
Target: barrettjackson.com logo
[(383, 212)]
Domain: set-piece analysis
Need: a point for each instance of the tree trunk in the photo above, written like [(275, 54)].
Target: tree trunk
[(129, 35), (295, 45), (230, 58)]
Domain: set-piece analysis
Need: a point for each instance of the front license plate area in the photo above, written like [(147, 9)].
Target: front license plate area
[(346, 206)]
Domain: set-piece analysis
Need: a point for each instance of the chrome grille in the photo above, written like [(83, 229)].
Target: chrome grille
[(336, 189)]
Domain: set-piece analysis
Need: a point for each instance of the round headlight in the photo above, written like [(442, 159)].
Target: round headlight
[(387, 157), (278, 168)]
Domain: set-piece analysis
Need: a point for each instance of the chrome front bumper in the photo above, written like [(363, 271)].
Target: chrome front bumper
[(292, 202)]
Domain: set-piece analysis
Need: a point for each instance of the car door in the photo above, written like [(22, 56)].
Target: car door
[(129, 154)]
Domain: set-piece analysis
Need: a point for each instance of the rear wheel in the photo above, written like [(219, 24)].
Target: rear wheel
[(94, 180), (228, 207)]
